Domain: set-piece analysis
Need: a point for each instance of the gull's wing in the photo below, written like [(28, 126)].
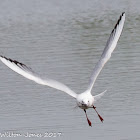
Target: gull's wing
[(29, 74), (97, 97), (109, 48)]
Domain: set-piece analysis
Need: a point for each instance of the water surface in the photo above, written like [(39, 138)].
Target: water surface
[(64, 40)]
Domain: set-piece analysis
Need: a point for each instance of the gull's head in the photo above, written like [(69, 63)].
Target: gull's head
[(85, 102)]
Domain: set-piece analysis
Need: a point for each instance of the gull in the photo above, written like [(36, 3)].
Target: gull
[(84, 100)]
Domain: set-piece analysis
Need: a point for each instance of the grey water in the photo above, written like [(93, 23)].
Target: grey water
[(63, 40)]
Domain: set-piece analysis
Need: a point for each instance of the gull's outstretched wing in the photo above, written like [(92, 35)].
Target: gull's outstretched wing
[(29, 74), (109, 48), (97, 97)]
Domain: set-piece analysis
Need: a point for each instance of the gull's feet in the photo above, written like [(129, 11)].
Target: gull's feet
[(98, 114), (89, 122), (101, 118)]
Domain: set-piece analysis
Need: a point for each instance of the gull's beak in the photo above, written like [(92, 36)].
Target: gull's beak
[(84, 104)]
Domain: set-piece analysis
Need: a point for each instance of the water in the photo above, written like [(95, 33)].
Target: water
[(64, 40)]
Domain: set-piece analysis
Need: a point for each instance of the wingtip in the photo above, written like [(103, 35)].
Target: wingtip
[(104, 91), (123, 15), (1, 56)]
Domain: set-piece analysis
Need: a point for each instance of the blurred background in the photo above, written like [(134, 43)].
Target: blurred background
[(63, 40)]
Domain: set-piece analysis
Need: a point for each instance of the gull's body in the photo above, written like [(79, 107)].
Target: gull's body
[(84, 100)]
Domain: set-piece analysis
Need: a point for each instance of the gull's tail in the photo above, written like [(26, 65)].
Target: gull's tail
[(97, 97)]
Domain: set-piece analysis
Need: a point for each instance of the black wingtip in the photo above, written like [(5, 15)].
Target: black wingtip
[(19, 64), (2, 56), (123, 13), (13, 61), (118, 21)]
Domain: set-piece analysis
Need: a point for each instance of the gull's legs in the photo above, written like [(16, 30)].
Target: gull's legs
[(89, 122), (98, 114)]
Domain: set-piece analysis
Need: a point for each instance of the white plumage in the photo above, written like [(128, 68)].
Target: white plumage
[(84, 100)]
